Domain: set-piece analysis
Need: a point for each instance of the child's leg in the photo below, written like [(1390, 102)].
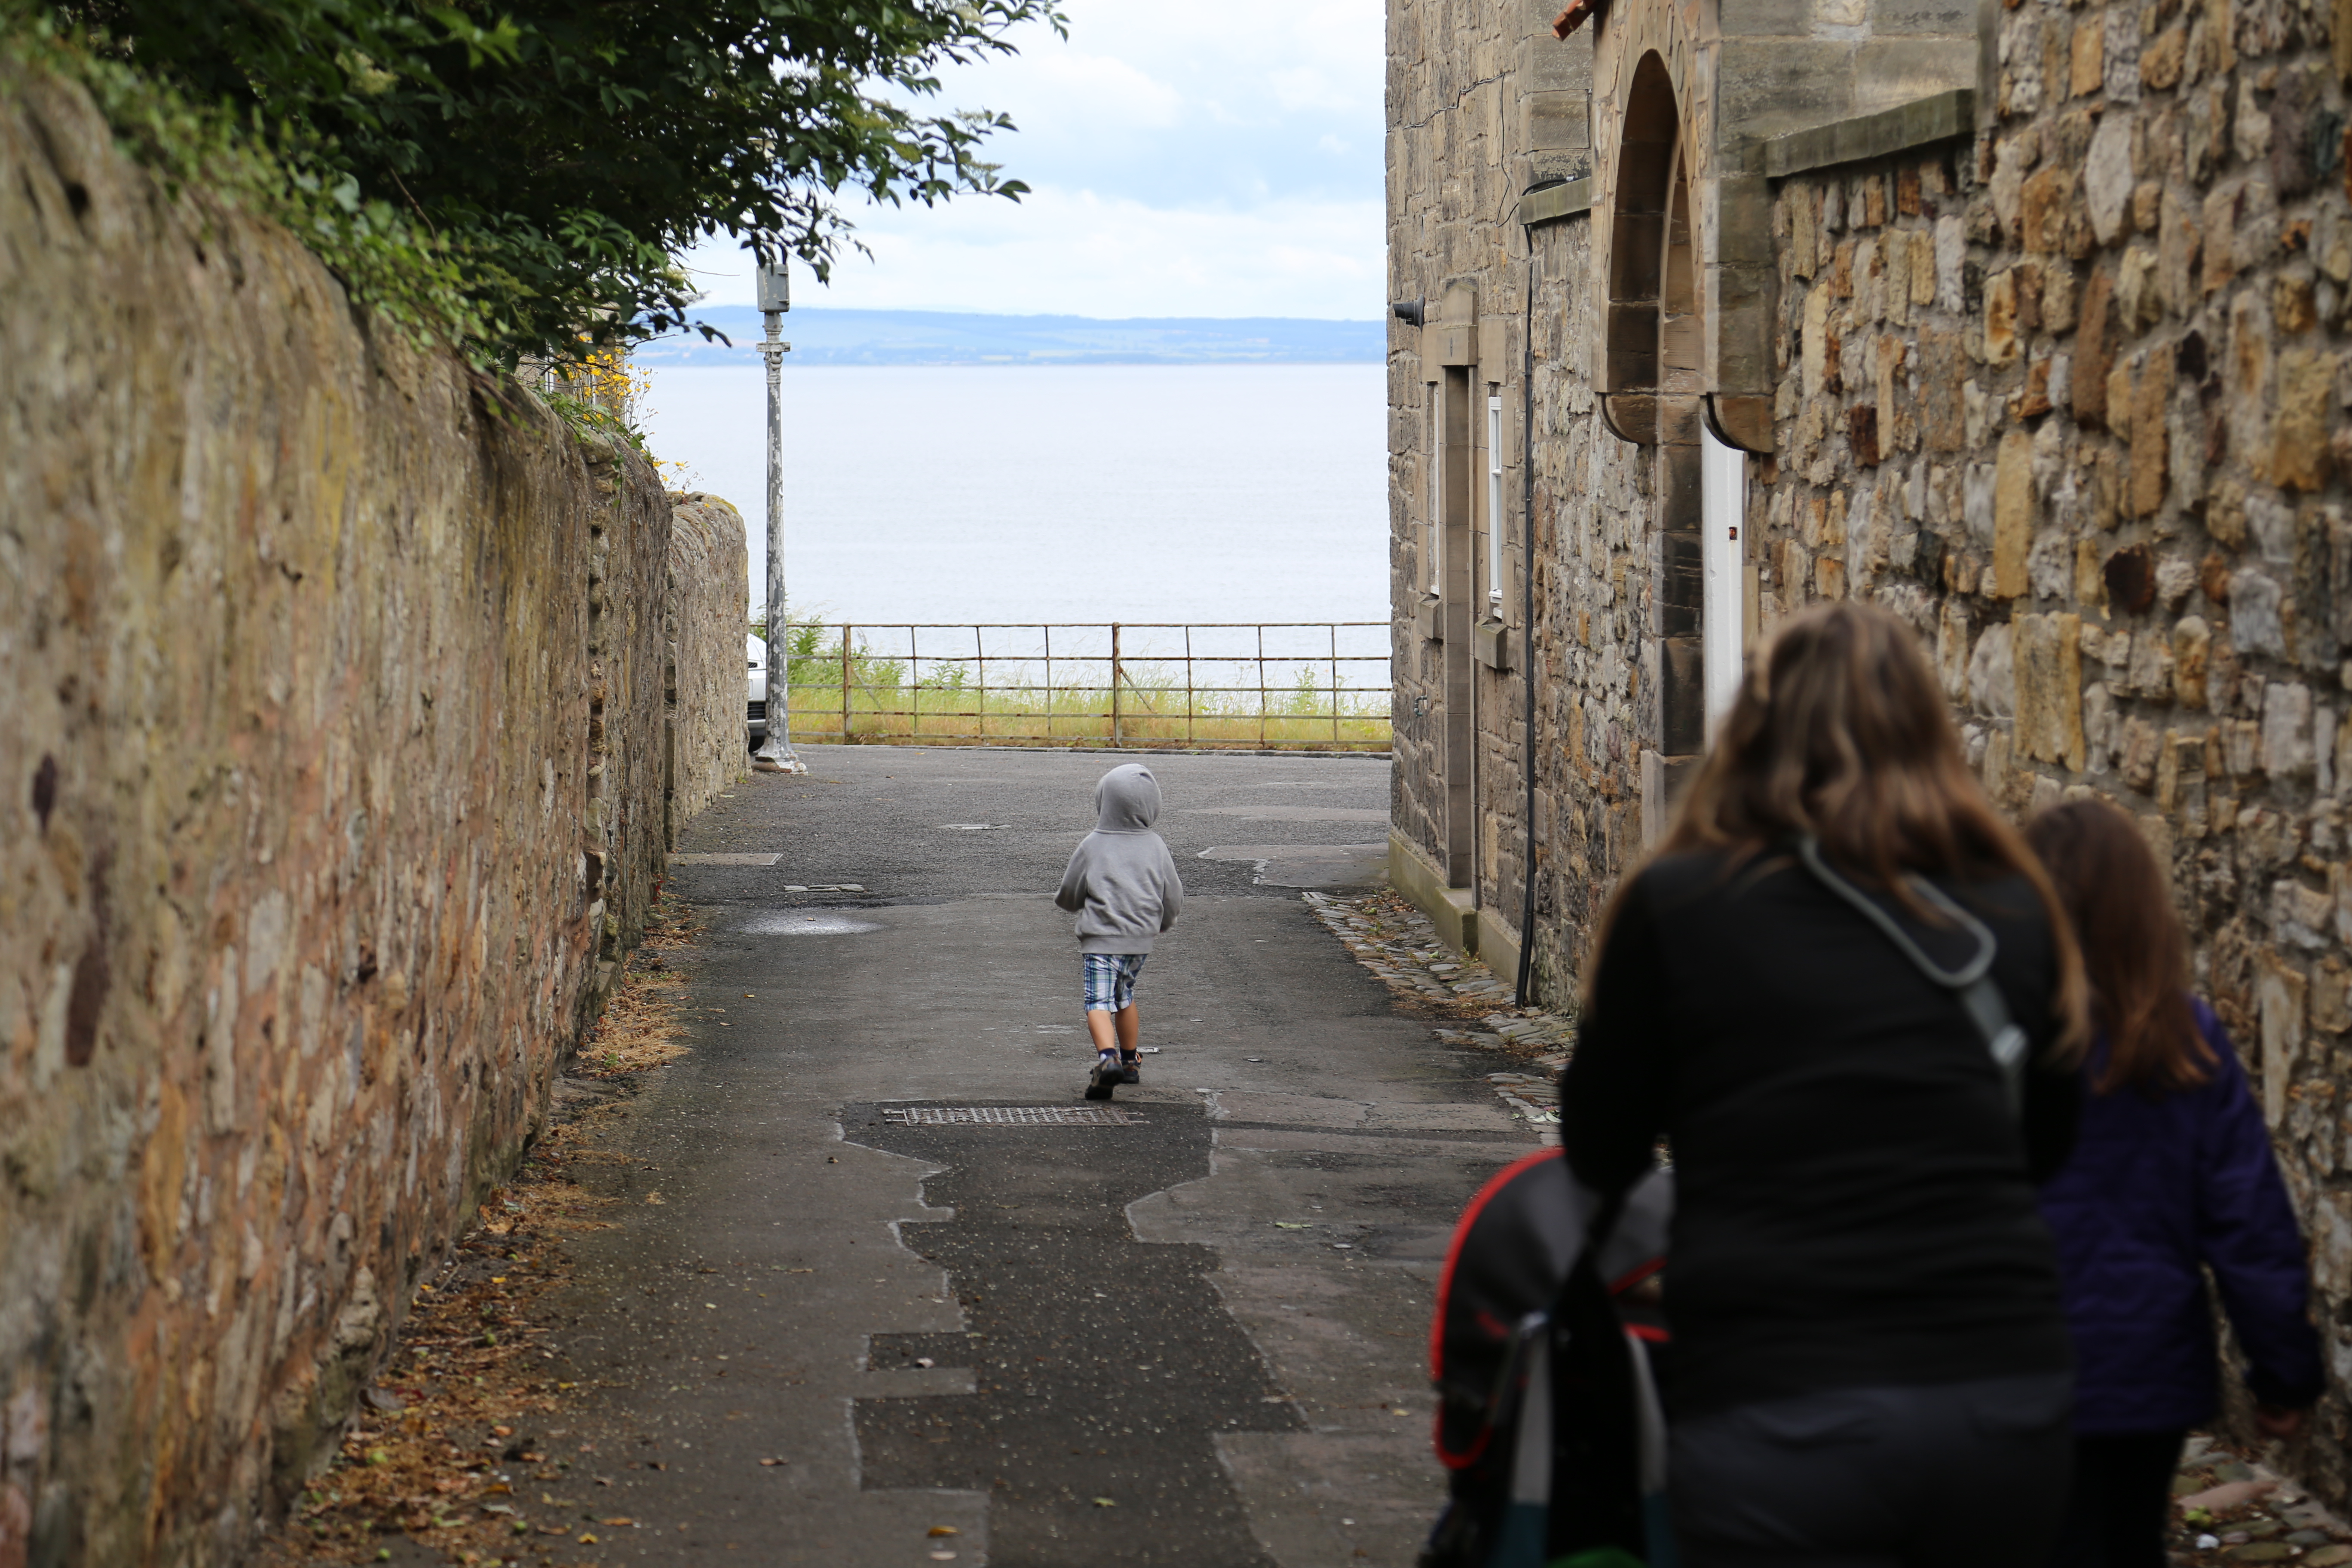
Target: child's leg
[(1099, 972), (1129, 1022), (1101, 1029)]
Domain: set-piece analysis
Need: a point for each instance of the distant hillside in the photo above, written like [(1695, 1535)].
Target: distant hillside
[(821, 336)]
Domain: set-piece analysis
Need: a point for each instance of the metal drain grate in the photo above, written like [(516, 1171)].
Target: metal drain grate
[(1009, 1116)]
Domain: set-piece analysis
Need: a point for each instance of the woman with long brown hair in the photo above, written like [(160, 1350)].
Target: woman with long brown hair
[(1844, 997), (2172, 1175)]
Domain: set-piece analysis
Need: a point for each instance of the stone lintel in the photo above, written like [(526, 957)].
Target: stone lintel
[(1553, 203), (1451, 344), (1941, 117), (1494, 349)]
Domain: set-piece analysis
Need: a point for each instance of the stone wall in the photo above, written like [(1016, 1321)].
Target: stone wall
[(1593, 604), (332, 796), (2071, 398), (2067, 392), (709, 579)]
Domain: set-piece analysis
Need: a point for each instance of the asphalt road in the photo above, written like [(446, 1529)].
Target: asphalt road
[(1197, 1337)]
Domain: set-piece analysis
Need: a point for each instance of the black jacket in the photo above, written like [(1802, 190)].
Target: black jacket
[(1854, 1202)]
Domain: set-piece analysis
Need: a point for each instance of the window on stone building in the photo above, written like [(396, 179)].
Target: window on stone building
[(1495, 507), (1434, 531)]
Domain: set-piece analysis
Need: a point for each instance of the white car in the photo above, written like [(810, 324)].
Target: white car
[(757, 652)]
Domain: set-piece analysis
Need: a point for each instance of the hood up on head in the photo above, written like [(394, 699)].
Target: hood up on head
[(1127, 800)]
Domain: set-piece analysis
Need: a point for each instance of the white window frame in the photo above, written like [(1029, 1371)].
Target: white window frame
[(1495, 506)]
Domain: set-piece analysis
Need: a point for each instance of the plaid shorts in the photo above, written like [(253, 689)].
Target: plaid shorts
[(1110, 979)]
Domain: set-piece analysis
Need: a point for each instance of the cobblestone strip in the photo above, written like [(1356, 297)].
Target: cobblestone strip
[(1395, 940), (2231, 1508)]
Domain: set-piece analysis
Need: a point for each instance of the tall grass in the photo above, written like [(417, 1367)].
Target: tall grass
[(941, 701)]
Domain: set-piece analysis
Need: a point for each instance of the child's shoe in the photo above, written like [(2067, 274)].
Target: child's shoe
[(1104, 1077), (1131, 1068)]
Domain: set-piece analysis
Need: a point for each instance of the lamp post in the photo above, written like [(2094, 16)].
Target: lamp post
[(775, 753)]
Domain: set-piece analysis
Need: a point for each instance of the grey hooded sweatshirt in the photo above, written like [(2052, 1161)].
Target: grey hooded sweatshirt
[(1122, 881)]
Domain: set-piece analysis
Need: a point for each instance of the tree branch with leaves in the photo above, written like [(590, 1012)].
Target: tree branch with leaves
[(560, 154)]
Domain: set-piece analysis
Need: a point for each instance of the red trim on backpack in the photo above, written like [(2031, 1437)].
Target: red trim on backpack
[(1446, 1457), (1636, 1274), (1494, 1184)]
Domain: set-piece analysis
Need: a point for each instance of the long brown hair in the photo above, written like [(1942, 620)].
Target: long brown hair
[(1841, 732), (2135, 949)]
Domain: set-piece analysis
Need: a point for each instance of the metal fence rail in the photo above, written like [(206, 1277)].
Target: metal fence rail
[(1293, 685)]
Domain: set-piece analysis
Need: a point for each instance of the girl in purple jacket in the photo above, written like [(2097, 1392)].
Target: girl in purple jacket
[(2171, 1174)]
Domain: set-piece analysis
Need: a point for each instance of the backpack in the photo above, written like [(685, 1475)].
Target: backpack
[(1549, 1423), (1548, 1420)]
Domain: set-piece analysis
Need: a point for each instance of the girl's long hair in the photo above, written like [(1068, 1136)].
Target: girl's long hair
[(2135, 949), (1841, 732)]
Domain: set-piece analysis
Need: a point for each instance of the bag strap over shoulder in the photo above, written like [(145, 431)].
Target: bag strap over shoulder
[(1973, 982)]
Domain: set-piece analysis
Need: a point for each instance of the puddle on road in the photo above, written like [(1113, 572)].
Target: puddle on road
[(806, 922)]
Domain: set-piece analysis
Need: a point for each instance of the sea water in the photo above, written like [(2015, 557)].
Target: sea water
[(1082, 493)]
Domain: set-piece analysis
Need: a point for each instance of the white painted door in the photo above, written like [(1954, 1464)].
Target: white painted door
[(1723, 506)]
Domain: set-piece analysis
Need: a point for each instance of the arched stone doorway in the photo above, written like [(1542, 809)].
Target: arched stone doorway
[(1653, 370), (1654, 381)]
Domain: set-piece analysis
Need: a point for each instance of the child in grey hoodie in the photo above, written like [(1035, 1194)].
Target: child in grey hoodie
[(1123, 884)]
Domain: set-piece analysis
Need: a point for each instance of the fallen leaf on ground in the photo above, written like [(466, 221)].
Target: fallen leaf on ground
[(1105, 1502), (944, 1530), (1292, 1225), (2230, 1494), (587, 1537), (620, 1521), (774, 1461)]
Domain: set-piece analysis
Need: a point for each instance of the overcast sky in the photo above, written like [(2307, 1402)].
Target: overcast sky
[(1204, 158)]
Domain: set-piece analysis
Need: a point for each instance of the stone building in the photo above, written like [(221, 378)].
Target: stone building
[(2022, 321)]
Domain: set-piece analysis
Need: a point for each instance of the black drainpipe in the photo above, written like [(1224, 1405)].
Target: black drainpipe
[(1528, 614)]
